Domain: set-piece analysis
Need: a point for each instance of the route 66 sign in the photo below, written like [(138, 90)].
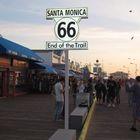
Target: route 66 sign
[(66, 29)]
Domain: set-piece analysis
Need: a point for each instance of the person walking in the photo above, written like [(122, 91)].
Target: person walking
[(81, 87), (74, 89), (89, 89), (81, 97), (98, 88), (104, 92), (128, 85), (136, 103), (118, 88), (58, 88), (111, 85)]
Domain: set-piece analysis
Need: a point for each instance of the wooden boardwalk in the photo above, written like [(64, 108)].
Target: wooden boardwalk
[(28, 117), (113, 123)]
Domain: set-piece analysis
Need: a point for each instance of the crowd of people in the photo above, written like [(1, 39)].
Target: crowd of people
[(107, 92), (75, 86)]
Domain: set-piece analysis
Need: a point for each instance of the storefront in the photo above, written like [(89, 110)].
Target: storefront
[(14, 67), (4, 66), (18, 76), (13, 76), (1, 83)]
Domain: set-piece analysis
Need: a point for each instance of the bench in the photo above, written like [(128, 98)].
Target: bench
[(63, 134), (77, 117)]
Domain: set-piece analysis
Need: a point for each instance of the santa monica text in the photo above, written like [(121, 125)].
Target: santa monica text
[(74, 12)]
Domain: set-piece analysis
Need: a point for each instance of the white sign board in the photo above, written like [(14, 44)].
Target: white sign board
[(66, 21), (81, 12), (73, 45)]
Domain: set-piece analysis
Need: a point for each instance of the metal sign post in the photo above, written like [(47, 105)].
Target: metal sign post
[(67, 30), (66, 89)]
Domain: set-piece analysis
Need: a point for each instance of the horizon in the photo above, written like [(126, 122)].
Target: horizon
[(112, 30)]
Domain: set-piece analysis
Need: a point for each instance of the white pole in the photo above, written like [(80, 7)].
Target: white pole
[(66, 89), (97, 70)]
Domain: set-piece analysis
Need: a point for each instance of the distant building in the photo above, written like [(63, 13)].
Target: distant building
[(120, 75), (97, 70), (57, 59), (51, 57)]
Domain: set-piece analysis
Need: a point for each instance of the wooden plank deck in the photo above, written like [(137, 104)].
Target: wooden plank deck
[(28, 117), (113, 123)]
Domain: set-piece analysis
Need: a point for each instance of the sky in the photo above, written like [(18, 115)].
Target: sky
[(108, 29)]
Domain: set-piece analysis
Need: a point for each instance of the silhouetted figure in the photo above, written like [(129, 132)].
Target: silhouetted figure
[(111, 85), (136, 103), (98, 88)]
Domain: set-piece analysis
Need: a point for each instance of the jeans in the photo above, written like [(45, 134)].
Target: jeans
[(58, 110)]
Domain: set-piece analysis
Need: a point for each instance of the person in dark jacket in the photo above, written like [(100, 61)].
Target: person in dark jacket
[(104, 92), (111, 85), (98, 88), (89, 89), (129, 83), (136, 103), (118, 88)]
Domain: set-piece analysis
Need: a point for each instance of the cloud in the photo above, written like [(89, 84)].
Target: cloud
[(30, 35)]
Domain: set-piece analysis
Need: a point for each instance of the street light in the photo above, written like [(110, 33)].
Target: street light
[(97, 64), (132, 61), (135, 68)]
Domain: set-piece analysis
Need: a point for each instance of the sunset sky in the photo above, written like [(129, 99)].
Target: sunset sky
[(109, 29)]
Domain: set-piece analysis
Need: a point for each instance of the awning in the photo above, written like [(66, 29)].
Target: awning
[(49, 69), (62, 73), (11, 48), (59, 66), (76, 74), (44, 68)]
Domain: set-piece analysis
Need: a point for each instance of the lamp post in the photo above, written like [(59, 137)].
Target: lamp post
[(97, 64), (132, 62), (135, 68)]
